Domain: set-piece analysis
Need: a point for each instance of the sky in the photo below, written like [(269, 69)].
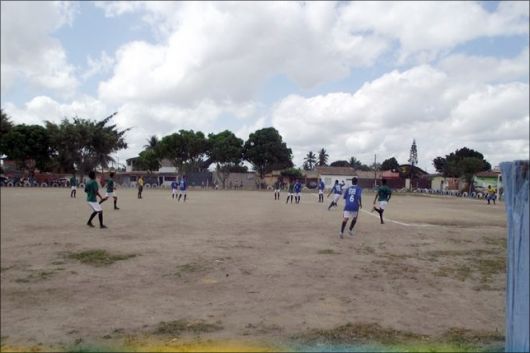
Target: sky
[(359, 79)]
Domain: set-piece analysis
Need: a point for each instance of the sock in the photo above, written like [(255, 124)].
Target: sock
[(185, 197), (100, 216), (115, 203), (381, 215), (353, 221), (92, 217), (343, 226)]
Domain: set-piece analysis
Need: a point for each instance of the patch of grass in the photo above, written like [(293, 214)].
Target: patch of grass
[(500, 242), (490, 267), (178, 327), (98, 257), (469, 338), (36, 276), (485, 268), (460, 272), (327, 252), (191, 267)]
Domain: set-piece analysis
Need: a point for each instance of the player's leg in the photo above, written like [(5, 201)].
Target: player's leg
[(381, 210), (344, 222), (75, 193), (100, 216), (185, 194), (89, 223), (116, 203), (104, 199), (353, 221)]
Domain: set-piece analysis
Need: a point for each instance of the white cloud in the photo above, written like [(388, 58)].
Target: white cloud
[(102, 65), (29, 52)]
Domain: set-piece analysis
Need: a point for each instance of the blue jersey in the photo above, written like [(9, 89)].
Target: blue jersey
[(297, 187), (174, 185), (337, 189), (321, 186), (183, 185), (353, 198)]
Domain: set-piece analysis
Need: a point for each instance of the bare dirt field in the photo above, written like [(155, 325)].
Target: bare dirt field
[(238, 266)]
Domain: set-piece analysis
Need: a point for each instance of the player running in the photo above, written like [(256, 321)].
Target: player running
[(382, 197), (110, 191), (91, 189), (352, 203), (73, 185), (321, 187), (174, 188), (297, 190), (183, 186), (337, 192)]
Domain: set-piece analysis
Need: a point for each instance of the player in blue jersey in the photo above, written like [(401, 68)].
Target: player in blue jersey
[(183, 185), (352, 199), (321, 187), (297, 190), (337, 192), (174, 188)]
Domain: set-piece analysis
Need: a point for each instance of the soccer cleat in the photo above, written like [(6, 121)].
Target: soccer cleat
[(341, 235), (90, 224), (350, 232), (102, 226), (116, 208)]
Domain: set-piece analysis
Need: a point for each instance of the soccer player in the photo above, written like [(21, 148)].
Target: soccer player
[(337, 192), (73, 184), (492, 194), (183, 185), (174, 187), (321, 187), (290, 189), (277, 188), (297, 190), (382, 197), (353, 201), (91, 189), (140, 186), (110, 191)]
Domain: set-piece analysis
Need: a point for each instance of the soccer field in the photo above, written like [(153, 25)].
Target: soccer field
[(239, 266)]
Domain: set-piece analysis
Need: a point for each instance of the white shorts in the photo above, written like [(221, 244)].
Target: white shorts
[(74, 187), (95, 206), (182, 192), (277, 190), (320, 192), (174, 191), (297, 194), (382, 204), (350, 214), (111, 194), (336, 197)]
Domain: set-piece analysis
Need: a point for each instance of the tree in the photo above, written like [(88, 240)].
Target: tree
[(292, 173), (464, 162), (310, 161), (390, 164), (28, 145), (266, 151), (340, 163), (186, 149), (152, 142), (5, 126), (226, 149), (358, 165), (322, 158), (413, 158)]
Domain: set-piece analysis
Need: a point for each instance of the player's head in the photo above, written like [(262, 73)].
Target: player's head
[(111, 174), (354, 181), (92, 174), (337, 181), (383, 181)]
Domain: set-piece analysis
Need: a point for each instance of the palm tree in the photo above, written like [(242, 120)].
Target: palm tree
[(310, 160), (322, 157), (152, 142)]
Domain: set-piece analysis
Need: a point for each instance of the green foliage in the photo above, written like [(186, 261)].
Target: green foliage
[(98, 257), (390, 164), (5, 126), (340, 163), (149, 160), (322, 158), (225, 148), (23, 143), (186, 149), (292, 173), (464, 162), (310, 161), (266, 151), (413, 159)]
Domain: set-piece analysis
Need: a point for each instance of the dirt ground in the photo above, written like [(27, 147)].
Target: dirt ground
[(240, 265)]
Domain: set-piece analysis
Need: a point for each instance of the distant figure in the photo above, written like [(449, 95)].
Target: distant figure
[(382, 197), (140, 186), (353, 202), (290, 192), (183, 186), (73, 186), (321, 187), (492, 195), (91, 189), (277, 189), (297, 190), (174, 188), (110, 191), (337, 192)]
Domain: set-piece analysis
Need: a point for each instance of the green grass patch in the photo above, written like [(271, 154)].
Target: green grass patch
[(99, 257), (36, 276), (327, 252), (178, 327)]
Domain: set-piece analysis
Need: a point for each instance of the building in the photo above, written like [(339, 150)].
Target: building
[(441, 183), (166, 166), (481, 181)]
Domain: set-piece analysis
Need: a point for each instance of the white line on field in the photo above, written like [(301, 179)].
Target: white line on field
[(397, 222)]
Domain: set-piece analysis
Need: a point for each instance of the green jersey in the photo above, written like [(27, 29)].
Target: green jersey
[(91, 189), (291, 188), (383, 193), (110, 185), (73, 181)]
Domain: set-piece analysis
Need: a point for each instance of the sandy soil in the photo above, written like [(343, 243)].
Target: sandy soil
[(257, 267)]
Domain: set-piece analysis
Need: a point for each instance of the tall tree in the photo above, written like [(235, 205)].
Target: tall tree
[(413, 159), (152, 142), (390, 164), (322, 158), (149, 160), (226, 149), (310, 161), (5, 126), (266, 151), (186, 149), (340, 163), (464, 162), (28, 145)]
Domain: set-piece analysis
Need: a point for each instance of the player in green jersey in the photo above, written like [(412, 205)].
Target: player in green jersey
[(381, 199), (91, 189), (111, 191)]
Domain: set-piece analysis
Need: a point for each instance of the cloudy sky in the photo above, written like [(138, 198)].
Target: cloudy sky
[(357, 78)]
